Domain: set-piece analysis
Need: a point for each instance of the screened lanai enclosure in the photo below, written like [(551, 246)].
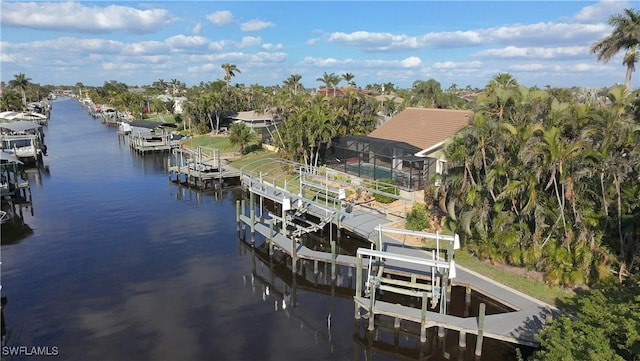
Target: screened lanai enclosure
[(375, 158)]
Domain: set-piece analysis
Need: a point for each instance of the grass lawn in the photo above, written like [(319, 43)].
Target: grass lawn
[(541, 291), (253, 158), (220, 142), (164, 118)]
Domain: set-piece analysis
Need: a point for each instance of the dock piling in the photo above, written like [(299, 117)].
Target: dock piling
[(423, 323), (333, 260), (252, 216), (238, 215), (481, 313), (462, 339)]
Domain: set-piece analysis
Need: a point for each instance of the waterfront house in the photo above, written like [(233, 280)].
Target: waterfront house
[(407, 148)]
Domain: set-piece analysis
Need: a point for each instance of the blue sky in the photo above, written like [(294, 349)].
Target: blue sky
[(455, 42)]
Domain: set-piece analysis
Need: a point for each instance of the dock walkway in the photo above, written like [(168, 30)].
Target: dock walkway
[(203, 167), (519, 326)]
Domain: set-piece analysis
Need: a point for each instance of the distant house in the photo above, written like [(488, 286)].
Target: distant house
[(178, 102), (253, 119), (407, 148), (262, 123)]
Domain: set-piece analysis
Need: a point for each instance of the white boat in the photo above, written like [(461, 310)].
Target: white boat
[(124, 128), (24, 139)]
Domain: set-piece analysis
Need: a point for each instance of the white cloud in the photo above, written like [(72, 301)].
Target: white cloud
[(123, 66), (248, 41), (312, 41), (221, 18), (368, 41), (320, 62), (73, 16), (7, 58), (457, 65), (145, 47), (600, 11), (197, 29), (411, 62), (182, 42), (271, 47), (535, 52), (542, 33), (526, 67), (256, 25)]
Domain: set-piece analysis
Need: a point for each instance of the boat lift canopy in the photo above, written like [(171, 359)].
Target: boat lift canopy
[(20, 126)]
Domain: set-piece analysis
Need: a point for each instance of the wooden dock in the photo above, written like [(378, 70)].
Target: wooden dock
[(144, 144), (280, 230), (203, 168)]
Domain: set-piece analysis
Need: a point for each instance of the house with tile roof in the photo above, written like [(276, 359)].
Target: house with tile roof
[(407, 148)]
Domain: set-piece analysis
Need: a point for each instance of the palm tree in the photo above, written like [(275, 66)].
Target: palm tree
[(241, 135), (348, 77), (319, 129), (293, 81), (21, 82), (502, 81), (335, 80), (230, 71), (425, 93), (625, 36), (326, 80)]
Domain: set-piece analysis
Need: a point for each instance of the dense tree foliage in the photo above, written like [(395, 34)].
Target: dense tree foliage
[(605, 325), (548, 185)]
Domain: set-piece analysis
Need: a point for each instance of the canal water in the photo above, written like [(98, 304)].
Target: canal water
[(122, 264)]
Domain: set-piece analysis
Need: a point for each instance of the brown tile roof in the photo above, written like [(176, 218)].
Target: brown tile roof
[(423, 127)]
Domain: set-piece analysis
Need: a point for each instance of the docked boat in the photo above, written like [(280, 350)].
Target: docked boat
[(24, 139), (124, 127)]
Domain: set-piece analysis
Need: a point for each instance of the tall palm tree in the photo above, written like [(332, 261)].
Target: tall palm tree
[(293, 81), (335, 80), (625, 36), (230, 71), (326, 80), (21, 82), (348, 77)]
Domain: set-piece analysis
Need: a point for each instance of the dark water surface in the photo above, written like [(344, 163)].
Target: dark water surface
[(124, 265)]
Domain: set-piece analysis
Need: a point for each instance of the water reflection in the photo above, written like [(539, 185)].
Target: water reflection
[(14, 229), (37, 173), (273, 280)]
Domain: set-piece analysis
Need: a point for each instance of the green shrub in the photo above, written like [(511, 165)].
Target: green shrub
[(418, 218), (387, 186)]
